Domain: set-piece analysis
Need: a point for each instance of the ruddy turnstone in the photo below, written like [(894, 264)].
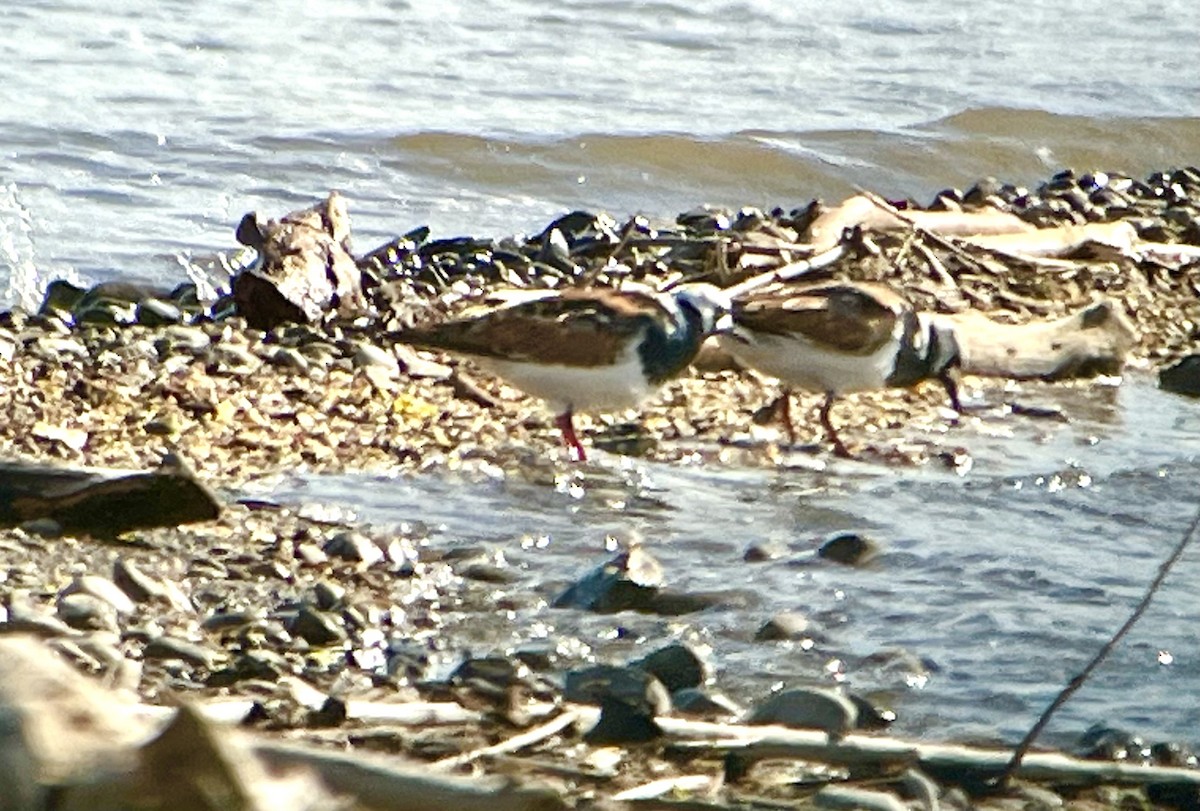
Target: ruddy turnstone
[(584, 349), (836, 338)]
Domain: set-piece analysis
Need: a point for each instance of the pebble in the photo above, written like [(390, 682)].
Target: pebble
[(808, 708), (354, 546), (676, 666), (784, 625), (103, 589), (85, 612), (849, 548), (169, 647), (316, 628)]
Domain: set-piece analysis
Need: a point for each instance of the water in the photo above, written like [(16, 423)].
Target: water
[(134, 136), (1007, 579)]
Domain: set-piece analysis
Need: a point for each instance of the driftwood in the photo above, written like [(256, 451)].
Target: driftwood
[(1095, 340), (305, 269), (104, 502), (863, 212)]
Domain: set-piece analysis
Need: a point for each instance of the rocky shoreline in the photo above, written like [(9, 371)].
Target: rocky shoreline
[(302, 616)]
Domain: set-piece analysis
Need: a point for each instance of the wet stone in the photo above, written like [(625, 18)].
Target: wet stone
[(1183, 377), (354, 546), (329, 594), (700, 702), (165, 648), (316, 628), (761, 551), (785, 625), (102, 589), (630, 581), (157, 313), (85, 612), (808, 708), (857, 799), (676, 666), (629, 685), (849, 548)]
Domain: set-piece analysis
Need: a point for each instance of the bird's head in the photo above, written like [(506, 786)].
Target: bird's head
[(710, 305)]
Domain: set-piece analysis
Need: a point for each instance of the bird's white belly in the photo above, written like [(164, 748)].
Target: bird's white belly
[(803, 364), (577, 388)]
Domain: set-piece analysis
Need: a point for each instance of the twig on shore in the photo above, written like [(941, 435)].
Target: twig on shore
[(788, 272), (513, 744), (1023, 747)]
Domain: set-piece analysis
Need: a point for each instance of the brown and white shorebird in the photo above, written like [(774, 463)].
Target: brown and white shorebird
[(837, 338), (584, 349)]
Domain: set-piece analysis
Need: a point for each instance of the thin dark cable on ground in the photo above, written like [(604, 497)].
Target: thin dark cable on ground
[(1100, 656)]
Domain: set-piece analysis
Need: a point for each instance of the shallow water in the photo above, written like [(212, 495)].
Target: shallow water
[(133, 137), (1005, 580)]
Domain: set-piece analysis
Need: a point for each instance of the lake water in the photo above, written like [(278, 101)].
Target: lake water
[(1005, 581), (134, 136)]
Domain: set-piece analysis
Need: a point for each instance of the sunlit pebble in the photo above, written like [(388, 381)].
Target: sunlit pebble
[(611, 544), (1165, 657), (835, 666)]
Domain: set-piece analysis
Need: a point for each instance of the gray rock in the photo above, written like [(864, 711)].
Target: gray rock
[(1183, 377), (808, 708), (370, 356), (191, 340), (857, 799), (329, 594), (136, 584), (153, 312), (629, 581), (697, 701), (165, 648), (762, 551), (630, 685), (676, 666), (87, 613), (285, 357), (316, 628), (785, 625), (103, 589), (354, 546), (919, 787), (849, 548)]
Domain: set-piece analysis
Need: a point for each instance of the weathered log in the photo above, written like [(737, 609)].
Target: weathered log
[(862, 211), (1095, 340), (104, 503), (305, 270)]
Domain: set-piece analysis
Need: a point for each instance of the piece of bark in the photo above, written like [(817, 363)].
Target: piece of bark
[(104, 503), (1095, 340)]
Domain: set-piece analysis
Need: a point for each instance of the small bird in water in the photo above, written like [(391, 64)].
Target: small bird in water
[(584, 349), (836, 338)]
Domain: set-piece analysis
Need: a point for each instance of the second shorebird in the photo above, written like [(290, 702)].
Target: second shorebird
[(584, 349), (837, 338)]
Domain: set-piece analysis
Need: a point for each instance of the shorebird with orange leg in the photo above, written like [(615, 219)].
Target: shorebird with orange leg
[(584, 349), (837, 338)]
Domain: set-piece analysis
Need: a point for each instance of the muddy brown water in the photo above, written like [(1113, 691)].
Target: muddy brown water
[(997, 584)]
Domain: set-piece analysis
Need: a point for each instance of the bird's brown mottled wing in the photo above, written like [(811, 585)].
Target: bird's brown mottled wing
[(857, 319), (586, 327)]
